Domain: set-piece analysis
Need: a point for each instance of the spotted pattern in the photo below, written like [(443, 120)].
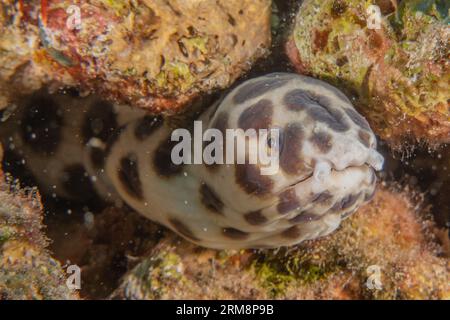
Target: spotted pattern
[(288, 202), (100, 121), (321, 198), (346, 202), (319, 108), (257, 88), (77, 183), (364, 137), (210, 199), (146, 126), (322, 141), (257, 116), (290, 157), (41, 125), (291, 233), (129, 175), (218, 206), (255, 218), (113, 138), (97, 156), (234, 234), (162, 159), (249, 177), (349, 201), (15, 164), (182, 229), (221, 124), (304, 217)]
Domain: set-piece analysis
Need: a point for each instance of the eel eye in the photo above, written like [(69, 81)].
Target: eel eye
[(275, 139)]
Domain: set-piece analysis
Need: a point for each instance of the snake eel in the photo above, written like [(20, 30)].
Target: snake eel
[(76, 147)]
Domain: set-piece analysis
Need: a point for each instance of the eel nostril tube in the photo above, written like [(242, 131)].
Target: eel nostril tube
[(322, 170), (375, 160)]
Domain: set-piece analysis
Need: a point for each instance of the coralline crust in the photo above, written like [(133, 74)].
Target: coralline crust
[(398, 75), (153, 54), (27, 270)]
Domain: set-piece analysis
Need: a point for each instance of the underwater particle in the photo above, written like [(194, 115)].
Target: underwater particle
[(89, 220), (397, 74)]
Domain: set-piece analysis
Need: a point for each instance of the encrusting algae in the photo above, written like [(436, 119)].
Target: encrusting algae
[(395, 65), (27, 270), (401, 246), (158, 55)]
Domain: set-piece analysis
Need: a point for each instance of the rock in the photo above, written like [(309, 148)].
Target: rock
[(157, 55), (27, 270), (398, 74), (390, 237), (18, 42)]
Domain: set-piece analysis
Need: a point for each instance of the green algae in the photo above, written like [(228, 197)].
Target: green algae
[(175, 74), (279, 271), (120, 7), (154, 276)]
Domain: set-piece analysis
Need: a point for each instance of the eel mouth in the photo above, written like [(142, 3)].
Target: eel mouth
[(312, 176), (323, 169)]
